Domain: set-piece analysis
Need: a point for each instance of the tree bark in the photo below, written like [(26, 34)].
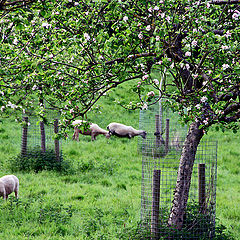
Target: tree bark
[(181, 193)]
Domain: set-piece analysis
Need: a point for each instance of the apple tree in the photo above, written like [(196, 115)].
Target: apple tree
[(71, 53)]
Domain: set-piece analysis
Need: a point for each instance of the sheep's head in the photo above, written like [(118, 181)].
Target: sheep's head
[(108, 135), (143, 134)]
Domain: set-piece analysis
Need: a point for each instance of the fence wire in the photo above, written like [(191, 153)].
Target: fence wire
[(161, 164), (36, 130), (155, 120)]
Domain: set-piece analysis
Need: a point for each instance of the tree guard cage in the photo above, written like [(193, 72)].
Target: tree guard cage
[(160, 163), (158, 121), (37, 134)]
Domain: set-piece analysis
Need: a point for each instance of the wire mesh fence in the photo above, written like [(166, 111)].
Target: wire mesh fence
[(159, 176), (158, 121), (37, 134)]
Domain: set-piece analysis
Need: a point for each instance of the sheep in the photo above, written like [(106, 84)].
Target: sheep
[(176, 141), (122, 130), (94, 130), (9, 184)]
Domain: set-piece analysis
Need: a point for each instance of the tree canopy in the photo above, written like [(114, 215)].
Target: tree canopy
[(71, 53)]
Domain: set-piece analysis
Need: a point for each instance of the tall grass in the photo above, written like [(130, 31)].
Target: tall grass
[(100, 198)]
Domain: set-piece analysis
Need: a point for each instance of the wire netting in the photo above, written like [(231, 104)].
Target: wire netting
[(154, 121), (161, 153), (36, 130), (199, 219)]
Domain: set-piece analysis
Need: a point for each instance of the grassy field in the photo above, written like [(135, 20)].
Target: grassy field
[(100, 196)]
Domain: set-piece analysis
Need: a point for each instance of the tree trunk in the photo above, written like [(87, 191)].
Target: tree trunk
[(184, 176)]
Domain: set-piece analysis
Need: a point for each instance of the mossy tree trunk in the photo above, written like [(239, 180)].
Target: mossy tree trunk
[(181, 193)]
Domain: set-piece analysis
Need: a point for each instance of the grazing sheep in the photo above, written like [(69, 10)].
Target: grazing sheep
[(176, 142), (122, 130), (9, 184), (94, 130)]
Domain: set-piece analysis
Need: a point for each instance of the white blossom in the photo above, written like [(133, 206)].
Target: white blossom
[(145, 106), (195, 75), (13, 106), (205, 122), (168, 18), (125, 18), (86, 36), (140, 36), (235, 16), (151, 94), (194, 43), (148, 28), (156, 81), (34, 87), (15, 41), (225, 66), (76, 3), (198, 106), (156, 8), (203, 99), (228, 34), (2, 108), (145, 77), (72, 110), (157, 38), (224, 47), (46, 25), (187, 54), (150, 9)]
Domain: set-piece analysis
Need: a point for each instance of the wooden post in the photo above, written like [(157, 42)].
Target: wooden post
[(155, 204), (43, 137), (201, 186), (24, 137), (157, 133), (56, 140), (167, 136)]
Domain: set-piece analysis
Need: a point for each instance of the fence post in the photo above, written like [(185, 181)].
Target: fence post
[(155, 204), (167, 136), (24, 137), (158, 133), (56, 140), (201, 186), (43, 137)]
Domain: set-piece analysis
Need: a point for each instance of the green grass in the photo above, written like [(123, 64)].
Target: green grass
[(101, 197)]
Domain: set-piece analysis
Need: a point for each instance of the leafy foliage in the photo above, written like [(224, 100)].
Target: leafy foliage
[(70, 54)]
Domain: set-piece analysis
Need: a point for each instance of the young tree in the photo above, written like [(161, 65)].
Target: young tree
[(71, 53)]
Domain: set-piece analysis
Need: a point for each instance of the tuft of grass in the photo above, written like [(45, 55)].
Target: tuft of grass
[(36, 160)]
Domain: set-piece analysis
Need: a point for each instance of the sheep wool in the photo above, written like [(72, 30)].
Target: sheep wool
[(9, 184), (122, 130), (93, 131)]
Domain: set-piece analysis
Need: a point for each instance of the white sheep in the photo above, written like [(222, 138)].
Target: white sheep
[(9, 184), (122, 130), (93, 131)]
